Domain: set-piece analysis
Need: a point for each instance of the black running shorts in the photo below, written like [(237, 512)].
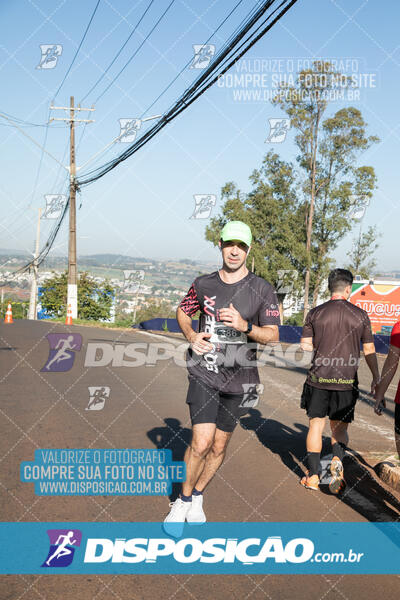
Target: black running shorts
[(335, 404), (397, 419), (208, 405)]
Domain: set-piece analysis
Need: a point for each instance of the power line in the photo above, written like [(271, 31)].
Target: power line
[(77, 50), (136, 51), (230, 54), (21, 122), (191, 58), (119, 51), (33, 140), (202, 83), (42, 255)]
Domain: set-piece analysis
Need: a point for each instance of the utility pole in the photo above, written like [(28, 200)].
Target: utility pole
[(34, 280), (72, 295)]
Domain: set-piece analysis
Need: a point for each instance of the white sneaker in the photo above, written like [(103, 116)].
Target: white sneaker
[(196, 513), (175, 519)]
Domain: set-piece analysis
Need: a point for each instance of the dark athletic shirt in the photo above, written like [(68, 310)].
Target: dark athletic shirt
[(256, 301), (337, 328)]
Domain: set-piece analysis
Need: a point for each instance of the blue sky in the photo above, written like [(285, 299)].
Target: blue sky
[(142, 208)]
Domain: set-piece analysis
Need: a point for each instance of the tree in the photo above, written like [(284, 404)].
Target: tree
[(363, 248), (331, 183), (94, 299), (153, 310), (272, 211)]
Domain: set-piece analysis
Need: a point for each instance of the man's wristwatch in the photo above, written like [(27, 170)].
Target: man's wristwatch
[(249, 327)]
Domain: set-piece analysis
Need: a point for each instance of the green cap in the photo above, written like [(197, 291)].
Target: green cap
[(236, 230)]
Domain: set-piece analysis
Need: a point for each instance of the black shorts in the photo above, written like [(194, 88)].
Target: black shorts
[(397, 419), (335, 404), (208, 405)]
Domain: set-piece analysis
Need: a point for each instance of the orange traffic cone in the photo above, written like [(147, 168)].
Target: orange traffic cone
[(9, 318), (68, 320)]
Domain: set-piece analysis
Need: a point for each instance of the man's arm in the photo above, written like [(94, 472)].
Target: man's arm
[(306, 344), (372, 362), (196, 340), (260, 334), (264, 334), (185, 323), (388, 371)]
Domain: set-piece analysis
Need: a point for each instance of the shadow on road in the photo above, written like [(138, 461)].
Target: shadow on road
[(175, 438), (365, 398), (363, 493), (288, 443)]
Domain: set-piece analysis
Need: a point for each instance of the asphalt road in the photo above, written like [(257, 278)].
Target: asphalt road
[(259, 480)]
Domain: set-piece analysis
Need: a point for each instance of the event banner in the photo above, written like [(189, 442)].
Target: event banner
[(214, 548)]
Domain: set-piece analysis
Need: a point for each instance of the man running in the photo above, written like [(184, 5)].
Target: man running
[(334, 331), (388, 371), (236, 307)]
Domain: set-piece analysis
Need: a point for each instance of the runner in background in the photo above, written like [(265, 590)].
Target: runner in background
[(236, 307), (334, 331), (388, 372)]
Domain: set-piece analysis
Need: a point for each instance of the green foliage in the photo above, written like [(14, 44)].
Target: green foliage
[(296, 319), (362, 252), (300, 211), (165, 325), (330, 182), (94, 299), (155, 310), (272, 211), (19, 309)]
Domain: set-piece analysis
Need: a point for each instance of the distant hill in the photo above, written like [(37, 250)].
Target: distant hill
[(116, 261)]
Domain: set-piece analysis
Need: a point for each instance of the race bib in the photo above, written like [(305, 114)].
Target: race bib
[(224, 334)]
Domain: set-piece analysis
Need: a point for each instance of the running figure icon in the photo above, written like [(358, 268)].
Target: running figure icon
[(62, 549), (62, 354), (63, 347)]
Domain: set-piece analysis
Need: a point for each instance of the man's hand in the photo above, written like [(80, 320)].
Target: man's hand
[(380, 404), (232, 317), (199, 344)]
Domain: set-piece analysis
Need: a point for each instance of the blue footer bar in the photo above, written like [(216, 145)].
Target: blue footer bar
[(214, 548)]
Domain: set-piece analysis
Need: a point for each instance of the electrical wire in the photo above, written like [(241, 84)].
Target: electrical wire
[(202, 83), (136, 51), (78, 49), (191, 60), (20, 122), (205, 43), (119, 52), (225, 59)]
